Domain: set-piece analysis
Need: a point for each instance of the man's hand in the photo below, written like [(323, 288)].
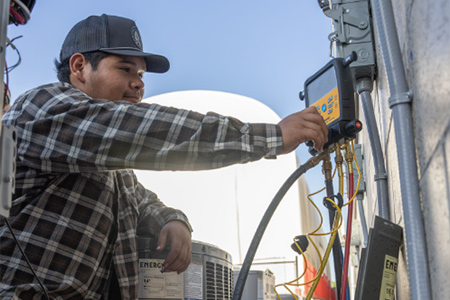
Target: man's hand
[(303, 126), (177, 235)]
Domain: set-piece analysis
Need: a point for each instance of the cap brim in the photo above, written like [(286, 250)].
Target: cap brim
[(155, 63)]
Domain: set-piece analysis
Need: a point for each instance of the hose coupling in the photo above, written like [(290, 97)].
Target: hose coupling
[(327, 166)]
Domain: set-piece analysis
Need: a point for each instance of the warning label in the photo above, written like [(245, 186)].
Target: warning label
[(154, 283), (193, 282), (389, 278)]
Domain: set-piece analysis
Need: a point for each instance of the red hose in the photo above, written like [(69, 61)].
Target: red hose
[(348, 237)]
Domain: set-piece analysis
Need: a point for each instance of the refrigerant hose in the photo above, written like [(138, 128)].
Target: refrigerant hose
[(242, 278)]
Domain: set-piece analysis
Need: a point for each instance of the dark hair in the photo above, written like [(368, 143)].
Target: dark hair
[(63, 68)]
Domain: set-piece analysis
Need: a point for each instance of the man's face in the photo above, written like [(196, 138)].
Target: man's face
[(116, 78)]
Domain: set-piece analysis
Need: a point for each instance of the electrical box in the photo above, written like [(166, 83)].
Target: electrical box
[(259, 285), (352, 25), (378, 269)]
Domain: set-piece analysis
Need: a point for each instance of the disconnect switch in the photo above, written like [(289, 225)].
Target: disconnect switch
[(352, 32), (379, 261)]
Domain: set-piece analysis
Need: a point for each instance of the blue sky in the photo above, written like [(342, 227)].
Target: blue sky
[(263, 49), (258, 48)]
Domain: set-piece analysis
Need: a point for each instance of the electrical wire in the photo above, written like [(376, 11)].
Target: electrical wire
[(20, 19), (19, 60), (6, 95), (309, 237), (336, 225), (16, 17), (44, 290), (323, 261), (25, 10)]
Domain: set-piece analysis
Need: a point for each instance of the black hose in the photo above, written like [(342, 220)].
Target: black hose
[(240, 283)]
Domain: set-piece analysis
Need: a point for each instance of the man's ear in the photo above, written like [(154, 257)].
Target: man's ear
[(77, 64)]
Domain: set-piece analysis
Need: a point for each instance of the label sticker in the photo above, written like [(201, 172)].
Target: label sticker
[(328, 106), (387, 290), (193, 282), (155, 284)]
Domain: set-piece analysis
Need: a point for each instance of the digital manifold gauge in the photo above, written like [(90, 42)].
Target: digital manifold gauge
[(330, 90)]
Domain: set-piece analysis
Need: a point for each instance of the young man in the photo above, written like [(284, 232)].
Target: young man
[(78, 206)]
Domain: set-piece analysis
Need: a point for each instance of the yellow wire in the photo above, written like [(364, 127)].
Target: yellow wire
[(338, 218), (303, 254), (315, 280), (333, 233)]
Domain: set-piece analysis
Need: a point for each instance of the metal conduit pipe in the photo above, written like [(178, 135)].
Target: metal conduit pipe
[(364, 87), (400, 104), (362, 216)]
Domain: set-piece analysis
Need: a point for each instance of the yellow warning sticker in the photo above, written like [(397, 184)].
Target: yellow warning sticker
[(389, 278)]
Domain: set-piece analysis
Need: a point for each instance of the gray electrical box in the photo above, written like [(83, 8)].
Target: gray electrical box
[(378, 270), (352, 31), (259, 285)]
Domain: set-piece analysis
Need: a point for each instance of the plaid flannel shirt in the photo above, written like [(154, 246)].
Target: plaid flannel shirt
[(78, 206)]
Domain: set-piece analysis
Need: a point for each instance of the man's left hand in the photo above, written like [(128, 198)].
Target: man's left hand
[(177, 235)]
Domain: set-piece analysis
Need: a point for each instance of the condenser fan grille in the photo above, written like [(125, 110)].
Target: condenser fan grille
[(219, 282)]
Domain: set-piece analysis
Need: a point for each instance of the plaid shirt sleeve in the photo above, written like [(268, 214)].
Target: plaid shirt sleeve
[(73, 159), (74, 133)]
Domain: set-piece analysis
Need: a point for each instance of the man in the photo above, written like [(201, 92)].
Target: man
[(78, 205)]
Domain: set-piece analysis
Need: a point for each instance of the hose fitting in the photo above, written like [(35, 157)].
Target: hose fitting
[(348, 156), (339, 160), (327, 167)]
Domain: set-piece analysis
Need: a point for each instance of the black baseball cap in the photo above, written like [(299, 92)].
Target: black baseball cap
[(110, 34)]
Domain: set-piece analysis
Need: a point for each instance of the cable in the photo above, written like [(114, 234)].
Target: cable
[(351, 196), (25, 10), (18, 18), (6, 94), (44, 290), (331, 243), (348, 237), (337, 250), (302, 250), (19, 59), (323, 261), (240, 283)]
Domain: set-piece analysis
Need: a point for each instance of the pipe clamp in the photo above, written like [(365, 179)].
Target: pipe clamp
[(380, 176), (400, 98)]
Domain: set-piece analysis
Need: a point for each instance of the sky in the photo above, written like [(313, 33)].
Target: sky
[(262, 49)]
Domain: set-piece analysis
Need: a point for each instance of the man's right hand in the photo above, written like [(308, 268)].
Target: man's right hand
[(303, 126)]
